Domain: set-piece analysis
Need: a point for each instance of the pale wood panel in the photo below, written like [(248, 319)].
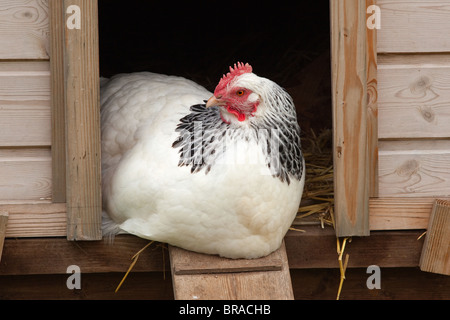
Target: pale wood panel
[(414, 26), (25, 104), (414, 168), (25, 174), (25, 124), (38, 219), (414, 96), (349, 86), (23, 29)]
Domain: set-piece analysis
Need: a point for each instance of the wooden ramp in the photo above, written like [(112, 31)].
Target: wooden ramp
[(435, 255), (206, 277)]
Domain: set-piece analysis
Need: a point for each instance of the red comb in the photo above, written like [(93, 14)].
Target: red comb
[(238, 69)]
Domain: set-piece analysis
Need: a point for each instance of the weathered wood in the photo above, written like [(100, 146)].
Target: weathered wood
[(23, 29), (400, 213), (372, 107), (414, 26), (25, 101), (38, 219), (315, 248), (436, 249), (349, 95), (264, 278), (187, 262), (83, 124), (414, 96), (3, 222), (57, 100), (414, 168), (25, 174)]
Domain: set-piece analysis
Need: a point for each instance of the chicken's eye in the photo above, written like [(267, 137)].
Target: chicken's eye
[(240, 93)]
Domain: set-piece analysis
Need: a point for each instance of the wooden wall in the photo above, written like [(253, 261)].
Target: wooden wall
[(25, 116), (414, 98)]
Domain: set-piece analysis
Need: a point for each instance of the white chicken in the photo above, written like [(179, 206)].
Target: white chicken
[(220, 176)]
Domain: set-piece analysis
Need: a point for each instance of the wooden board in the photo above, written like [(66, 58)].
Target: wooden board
[(414, 168), (205, 277), (25, 104), (36, 219), (3, 222), (436, 249), (25, 174), (400, 213), (414, 26), (23, 29), (82, 113), (414, 96), (57, 26), (349, 87)]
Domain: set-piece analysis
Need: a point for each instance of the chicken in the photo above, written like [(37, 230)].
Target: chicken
[(218, 173)]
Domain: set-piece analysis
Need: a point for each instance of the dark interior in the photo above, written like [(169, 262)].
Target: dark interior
[(288, 43)]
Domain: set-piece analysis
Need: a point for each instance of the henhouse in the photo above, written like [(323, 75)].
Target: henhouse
[(371, 83)]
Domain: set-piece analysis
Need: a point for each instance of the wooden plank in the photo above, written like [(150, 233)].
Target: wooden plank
[(25, 256), (25, 104), (414, 96), (264, 278), (83, 193), (436, 249), (414, 168), (372, 107), (314, 248), (414, 26), (23, 29), (57, 100), (187, 262), (349, 95), (38, 219), (25, 174), (3, 222)]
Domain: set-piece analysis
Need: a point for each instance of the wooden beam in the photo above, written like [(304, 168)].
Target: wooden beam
[(372, 107), (56, 13), (436, 249), (349, 95), (314, 248), (198, 276), (82, 112), (36, 219), (3, 222)]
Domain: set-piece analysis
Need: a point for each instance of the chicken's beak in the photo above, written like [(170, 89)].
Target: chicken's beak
[(213, 101)]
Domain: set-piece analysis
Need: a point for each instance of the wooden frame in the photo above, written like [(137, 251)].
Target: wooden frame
[(353, 136)]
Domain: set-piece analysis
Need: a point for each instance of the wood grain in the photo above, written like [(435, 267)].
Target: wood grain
[(25, 174), (372, 107), (3, 221), (414, 168), (82, 102), (414, 26), (414, 96), (264, 278), (57, 100), (435, 255), (349, 95), (36, 219), (25, 104), (23, 29)]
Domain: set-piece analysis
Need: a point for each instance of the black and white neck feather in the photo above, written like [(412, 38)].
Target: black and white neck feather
[(204, 136)]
